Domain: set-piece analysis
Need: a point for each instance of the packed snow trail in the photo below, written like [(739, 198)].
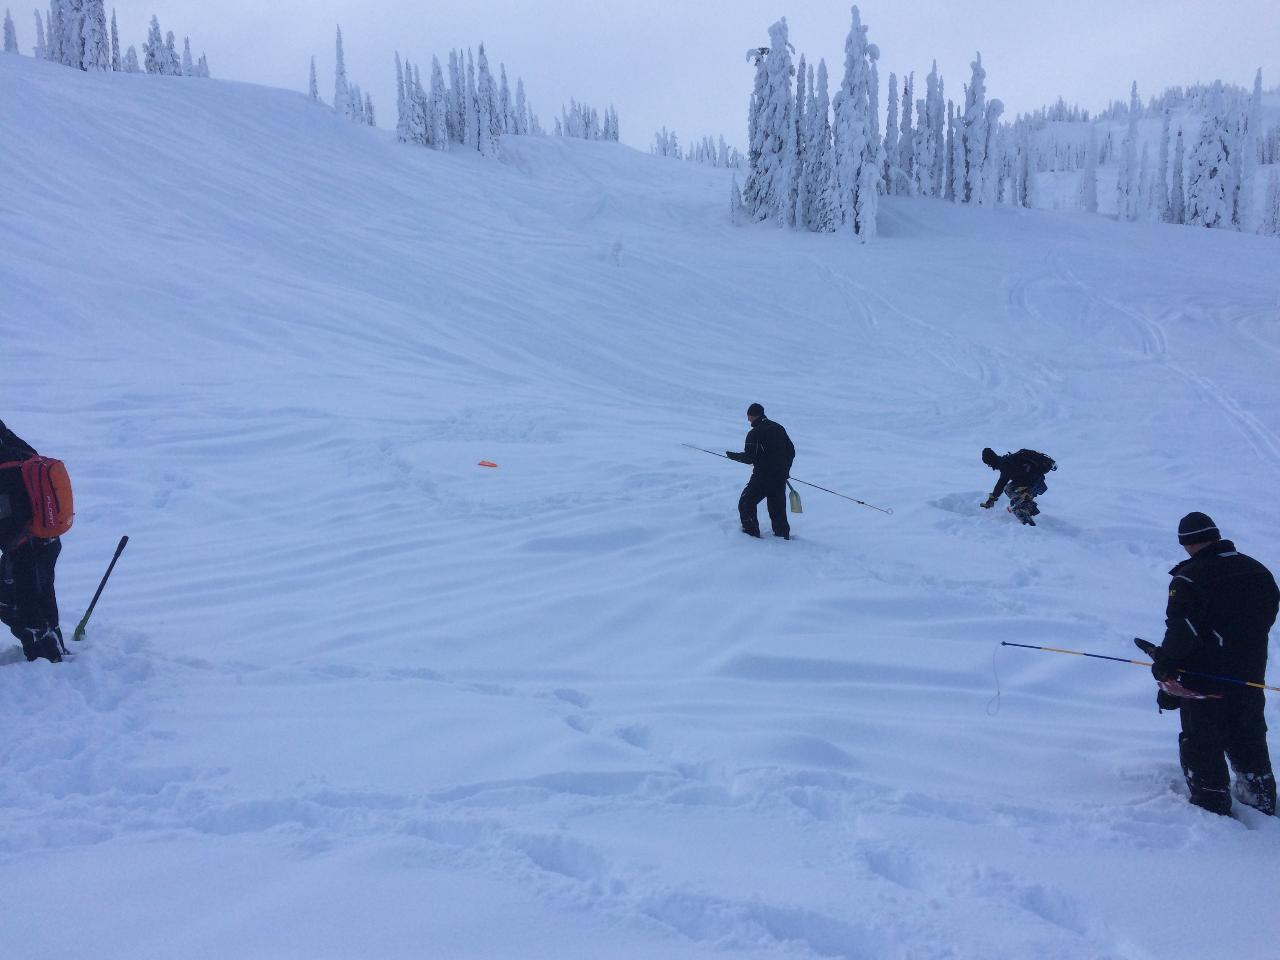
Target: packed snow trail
[(352, 694)]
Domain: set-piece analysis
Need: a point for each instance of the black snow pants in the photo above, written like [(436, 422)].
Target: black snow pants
[(774, 491), (1232, 726), (28, 605)]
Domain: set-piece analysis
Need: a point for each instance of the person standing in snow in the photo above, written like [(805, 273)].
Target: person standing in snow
[(770, 452), (28, 605), (1221, 607), (1023, 474)]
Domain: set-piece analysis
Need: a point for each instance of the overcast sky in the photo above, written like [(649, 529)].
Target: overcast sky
[(682, 64)]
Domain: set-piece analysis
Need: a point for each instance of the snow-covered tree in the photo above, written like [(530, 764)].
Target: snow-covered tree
[(766, 193), (1127, 201), (202, 67), (1269, 223), (975, 130), (489, 122), (41, 50), (1145, 186), (505, 108), (1249, 155), (95, 37), (173, 63), (929, 162), (188, 65), (1177, 194), (906, 137), (666, 144), (341, 89), (402, 113), (368, 111), (416, 108), (456, 111), (313, 86), (891, 172), (10, 34), (817, 196), (993, 160), (1160, 188), (1089, 180), (53, 32), (131, 64), (1210, 187), (437, 109), (522, 108), (72, 41), (873, 97), (1024, 192), (795, 215), (954, 180), (153, 48), (856, 150), (755, 110), (357, 103), (471, 132), (115, 44)]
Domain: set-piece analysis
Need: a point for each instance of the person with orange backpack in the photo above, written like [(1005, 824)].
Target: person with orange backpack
[(35, 510)]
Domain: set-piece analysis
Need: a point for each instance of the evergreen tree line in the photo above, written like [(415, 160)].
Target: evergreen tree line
[(473, 110), (585, 123), (821, 164), (713, 153), (822, 167), (1206, 179), (1060, 147), (349, 101), (75, 34)]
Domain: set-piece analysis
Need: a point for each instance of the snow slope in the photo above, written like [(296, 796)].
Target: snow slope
[(350, 695)]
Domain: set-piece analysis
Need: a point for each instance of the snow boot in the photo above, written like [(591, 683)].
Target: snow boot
[(1257, 790), (46, 646)]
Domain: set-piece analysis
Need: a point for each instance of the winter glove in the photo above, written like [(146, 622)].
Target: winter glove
[(1161, 667), (988, 503), (1167, 701)]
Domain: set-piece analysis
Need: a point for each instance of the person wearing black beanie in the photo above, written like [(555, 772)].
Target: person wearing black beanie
[(1222, 605), (1196, 527), (770, 452), (1022, 474)]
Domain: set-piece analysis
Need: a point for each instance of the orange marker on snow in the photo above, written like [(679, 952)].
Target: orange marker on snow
[(486, 463)]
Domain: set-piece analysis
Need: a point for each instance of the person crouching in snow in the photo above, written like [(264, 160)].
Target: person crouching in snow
[(1022, 475)]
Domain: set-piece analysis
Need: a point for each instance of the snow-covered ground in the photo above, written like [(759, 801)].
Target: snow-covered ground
[(351, 695)]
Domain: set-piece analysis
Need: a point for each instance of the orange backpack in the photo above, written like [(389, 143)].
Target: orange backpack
[(49, 492)]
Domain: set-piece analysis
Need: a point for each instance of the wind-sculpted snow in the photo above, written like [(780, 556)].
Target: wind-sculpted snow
[(350, 695)]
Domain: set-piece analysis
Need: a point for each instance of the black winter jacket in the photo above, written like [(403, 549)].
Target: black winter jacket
[(1016, 470), (1222, 605), (768, 449), (15, 510)]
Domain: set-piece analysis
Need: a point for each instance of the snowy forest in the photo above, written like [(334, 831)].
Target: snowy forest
[(1205, 155), (1195, 156), (75, 34)]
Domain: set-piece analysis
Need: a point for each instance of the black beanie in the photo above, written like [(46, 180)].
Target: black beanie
[(755, 410), (1197, 527)]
